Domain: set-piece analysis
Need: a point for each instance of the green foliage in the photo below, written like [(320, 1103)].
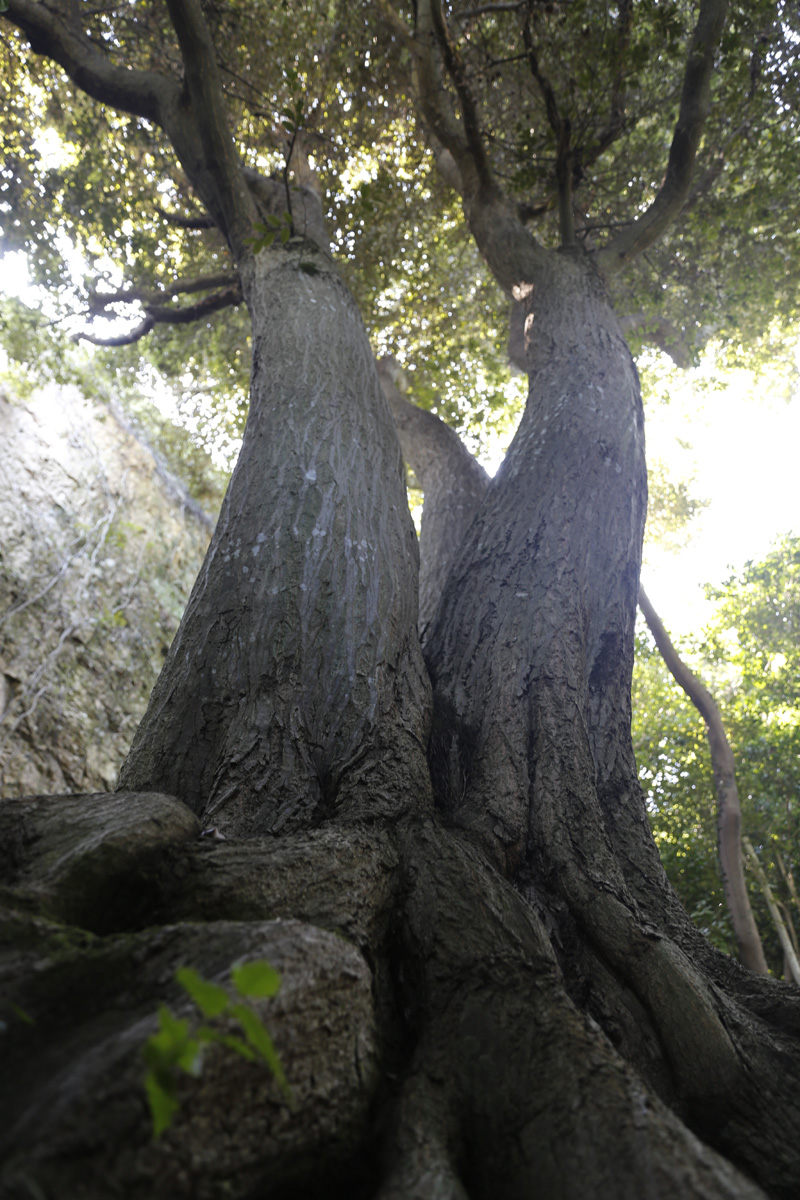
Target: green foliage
[(79, 175), (279, 227), (178, 1046), (749, 656)]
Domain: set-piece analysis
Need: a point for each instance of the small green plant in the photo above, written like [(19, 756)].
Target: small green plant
[(178, 1046), (279, 227)]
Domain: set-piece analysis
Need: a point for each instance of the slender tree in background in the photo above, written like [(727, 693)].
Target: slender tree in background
[(729, 812), (748, 653), (537, 1011)]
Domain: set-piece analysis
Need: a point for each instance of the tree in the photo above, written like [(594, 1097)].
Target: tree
[(519, 1001), (729, 812), (749, 650)]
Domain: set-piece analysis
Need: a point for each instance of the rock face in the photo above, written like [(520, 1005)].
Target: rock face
[(98, 552)]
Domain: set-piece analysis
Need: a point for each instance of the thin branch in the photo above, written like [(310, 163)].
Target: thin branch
[(510, 250), (777, 919), (98, 301), (617, 123), (57, 34), (434, 100), (562, 129), (788, 877), (695, 101), (168, 315), (783, 908), (122, 339), (729, 814), (455, 69)]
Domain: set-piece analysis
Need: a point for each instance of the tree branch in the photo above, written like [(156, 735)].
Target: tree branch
[(729, 813), (223, 169), (431, 10), (509, 249), (661, 333), (156, 314), (616, 120), (122, 339), (434, 100), (59, 36), (98, 301), (777, 919), (562, 129), (695, 101)]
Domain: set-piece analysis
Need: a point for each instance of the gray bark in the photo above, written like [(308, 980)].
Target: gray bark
[(307, 692), (501, 998), (454, 484), (498, 998)]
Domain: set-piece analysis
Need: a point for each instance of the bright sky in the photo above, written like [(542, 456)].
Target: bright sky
[(741, 443), (745, 447)]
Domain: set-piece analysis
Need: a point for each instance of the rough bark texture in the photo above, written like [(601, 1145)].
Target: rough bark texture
[(513, 1001), (495, 995), (454, 484), (307, 691)]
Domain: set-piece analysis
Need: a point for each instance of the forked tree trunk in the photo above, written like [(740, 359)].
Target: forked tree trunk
[(516, 1003)]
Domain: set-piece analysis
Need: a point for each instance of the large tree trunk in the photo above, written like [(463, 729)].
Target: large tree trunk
[(305, 693), (515, 1003)]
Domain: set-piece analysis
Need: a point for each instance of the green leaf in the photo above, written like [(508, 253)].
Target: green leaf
[(209, 1036), (262, 1043), (210, 998), (256, 979), (172, 1046), (237, 1045), (162, 1099)]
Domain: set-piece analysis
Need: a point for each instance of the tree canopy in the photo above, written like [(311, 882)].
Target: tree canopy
[(77, 174)]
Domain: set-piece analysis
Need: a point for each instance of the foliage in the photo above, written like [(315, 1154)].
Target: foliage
[(749, 655), (77, 175), (177, 1046)]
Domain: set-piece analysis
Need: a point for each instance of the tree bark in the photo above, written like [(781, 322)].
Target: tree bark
[(307, 691), (499, 996), (453, 482)]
